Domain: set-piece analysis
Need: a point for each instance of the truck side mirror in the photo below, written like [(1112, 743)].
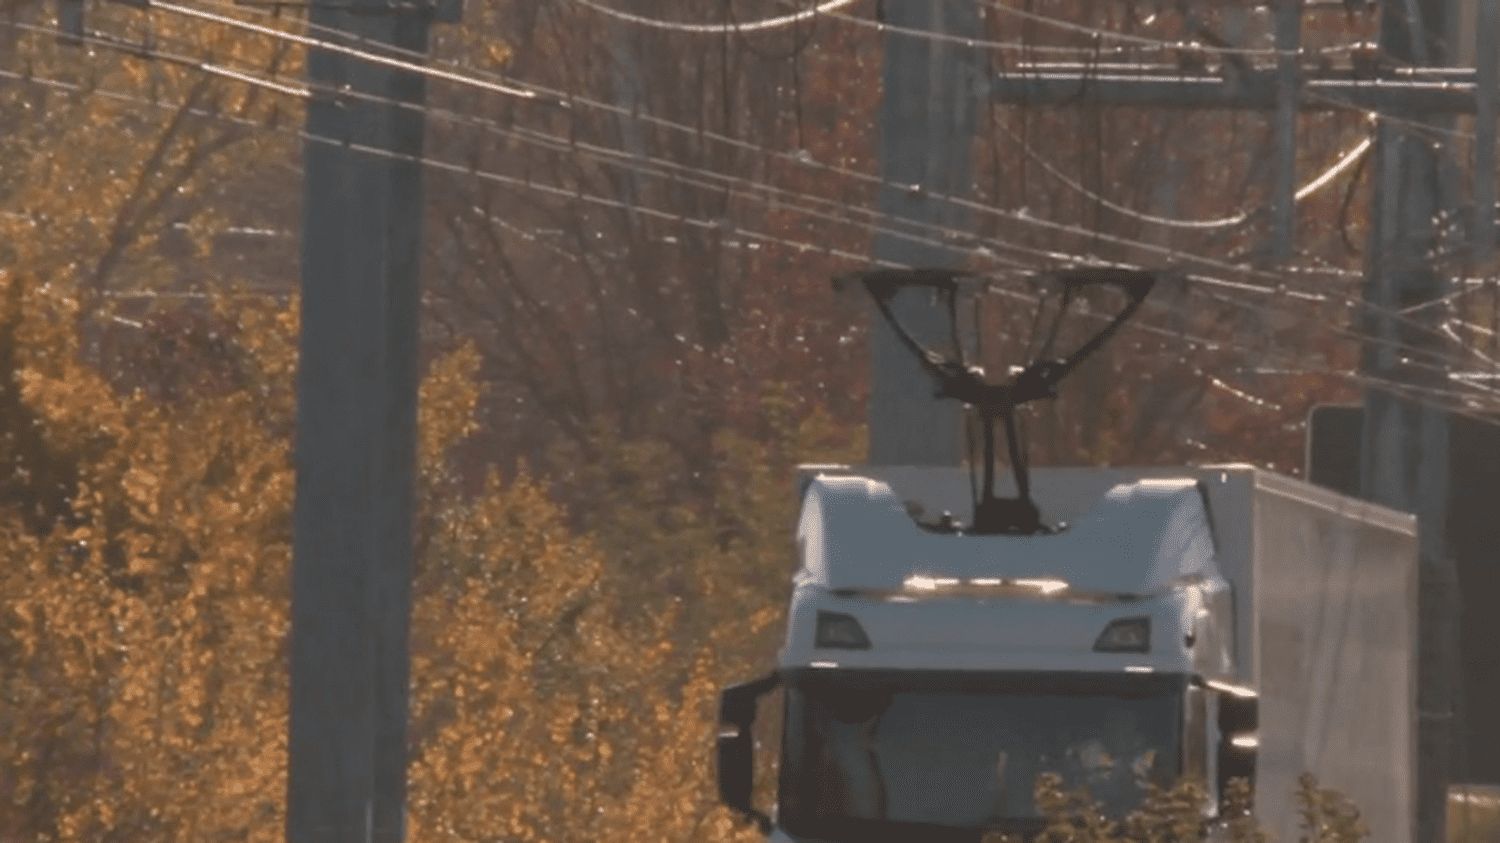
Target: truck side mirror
[(1239, 739), (736, 747)]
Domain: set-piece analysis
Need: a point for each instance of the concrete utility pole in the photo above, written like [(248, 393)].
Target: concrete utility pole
[(355, 449), (927, 119), (1405, 458), (1487, 76), (1288, 69)]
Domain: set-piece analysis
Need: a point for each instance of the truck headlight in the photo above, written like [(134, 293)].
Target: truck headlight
[(841, 632), (1125, 635)]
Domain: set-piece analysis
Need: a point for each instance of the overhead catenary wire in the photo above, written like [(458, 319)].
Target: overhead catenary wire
[(595, 152), (1051, 255), (737, 28), (1136, 43), (698, 131), (419, 68), (1102, 34), (645, 164), (946, 236), (519, 182), (1019, 217), (1462, 401), (535, 92), (1345, 161), (1026, 219), (569, 99)]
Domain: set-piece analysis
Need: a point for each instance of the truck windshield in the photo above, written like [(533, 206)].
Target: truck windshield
[(965, 753)]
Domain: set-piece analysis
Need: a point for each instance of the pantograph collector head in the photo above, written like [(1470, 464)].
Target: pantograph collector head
[(957, 378)]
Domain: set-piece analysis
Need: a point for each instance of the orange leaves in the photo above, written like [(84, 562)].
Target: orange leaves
[(449, 396), (563, 681), (140, 648)]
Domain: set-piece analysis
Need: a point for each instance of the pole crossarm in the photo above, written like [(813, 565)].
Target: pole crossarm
[(1449, 91)]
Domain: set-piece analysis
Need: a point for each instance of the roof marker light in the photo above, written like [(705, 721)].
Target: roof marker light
[(921, 583), (1046, 586), (1043, 586)]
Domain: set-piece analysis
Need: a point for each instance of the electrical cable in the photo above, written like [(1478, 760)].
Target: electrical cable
[(1147, 41), (737, 28), (1428, 395), (533, 93), (1055, 255), (568, 100), (1050, 255), (1100, 33), (1198, 277), (1345, 161), (421, 69)]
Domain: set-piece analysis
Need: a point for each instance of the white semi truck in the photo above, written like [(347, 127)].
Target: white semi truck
[(928, 678), (1111, 626)]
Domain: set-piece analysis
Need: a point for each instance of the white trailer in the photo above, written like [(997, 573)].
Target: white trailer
[(930, 674)]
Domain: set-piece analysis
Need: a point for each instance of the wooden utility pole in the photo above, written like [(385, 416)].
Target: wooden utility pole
[(356, 421), (927, 119)]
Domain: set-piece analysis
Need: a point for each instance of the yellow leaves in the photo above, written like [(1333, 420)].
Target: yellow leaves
[(563, 681), (449, 395), (142, 627), (496, 54), (142, 489)]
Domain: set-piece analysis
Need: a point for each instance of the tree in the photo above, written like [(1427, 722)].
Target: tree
[(144, 627)]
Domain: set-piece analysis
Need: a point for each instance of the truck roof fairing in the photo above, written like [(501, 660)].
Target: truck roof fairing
[(1140, 538)]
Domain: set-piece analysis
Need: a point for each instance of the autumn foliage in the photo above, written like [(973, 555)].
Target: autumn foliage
[(145, 614), (621, 376)]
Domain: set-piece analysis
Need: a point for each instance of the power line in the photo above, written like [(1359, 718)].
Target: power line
[(673, 172), (534, 92), (1345, 161), (762, 25), (1124, 37), (1137, 42), (1016, 216), (561, 144), (1424, 394), (421, 69), (1101, 33), (687, 220), (570, 99)]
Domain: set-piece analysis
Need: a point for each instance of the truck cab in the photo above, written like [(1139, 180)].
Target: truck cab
[(929, 676)]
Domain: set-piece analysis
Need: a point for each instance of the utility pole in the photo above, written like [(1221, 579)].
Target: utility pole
[(1288, 69), (356, 424), (1404, 454), (1487, 77), (927, 121), (1405, 457)]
